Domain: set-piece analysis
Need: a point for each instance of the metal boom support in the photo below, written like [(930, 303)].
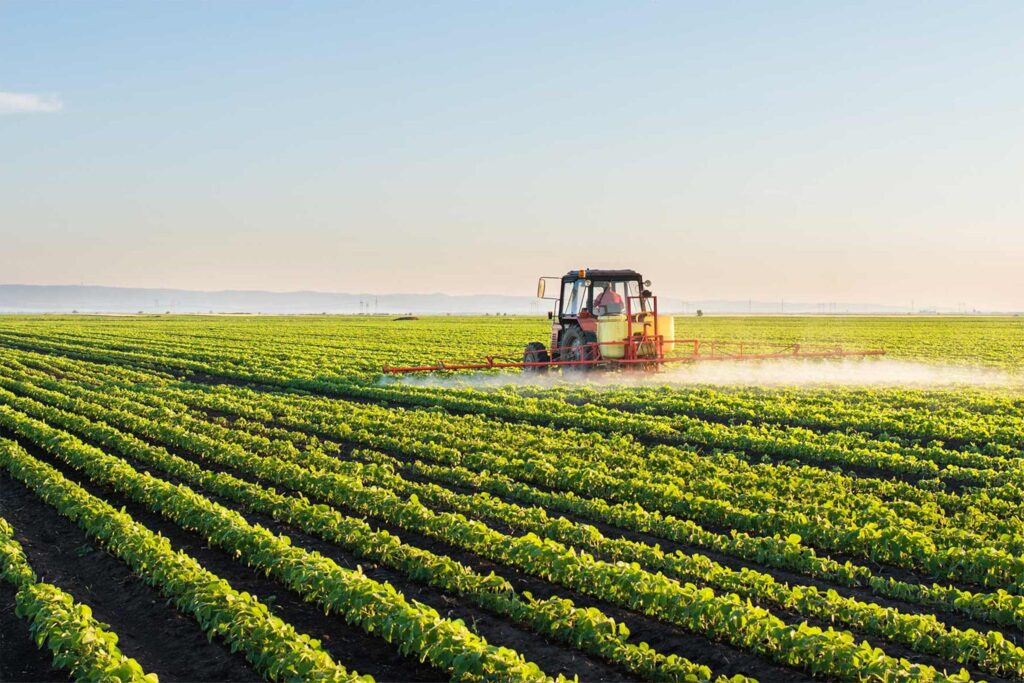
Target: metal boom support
[(783, 352), (646, 350)]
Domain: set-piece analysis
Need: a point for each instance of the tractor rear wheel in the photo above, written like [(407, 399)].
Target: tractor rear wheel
[(576, 346), (535, 353)]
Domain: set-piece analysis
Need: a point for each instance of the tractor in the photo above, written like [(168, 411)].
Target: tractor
[(600, 318)]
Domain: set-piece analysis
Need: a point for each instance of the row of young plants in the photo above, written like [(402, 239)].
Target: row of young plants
[(977, 510), (263, 399), (758, 488), (264, 414), (376, 607), (249, 356), (766, 550), (621, 581), (925, 633), (779, 552), (622, 450), (1001, 607), (1002, 501), (848, 450), (299, 341), (897, 492), (484, 430), (807, 490), (922, 632), (245, 624), (888, 538), (588, 629), (782, 553), (988, 423), (861, 455), (821, 448), (272, 348), (695, 477), (999, 483), (81, 645)]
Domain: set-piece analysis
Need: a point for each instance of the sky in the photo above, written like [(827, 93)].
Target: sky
[(835, 152)]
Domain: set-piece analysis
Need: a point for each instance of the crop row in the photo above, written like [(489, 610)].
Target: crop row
[(905, 496), (473, 431), (850, 451), (922, 632), (1002, 476), (773, 551), (377, 608), (987, 423), (272, 646), (588, 629), (779, 445), (82, 646), (785, 553), (666, 463), (529, 552), (694, 491), (296, 342), (828, 449)]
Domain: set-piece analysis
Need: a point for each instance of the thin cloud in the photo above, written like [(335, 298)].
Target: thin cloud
[(27, 102)]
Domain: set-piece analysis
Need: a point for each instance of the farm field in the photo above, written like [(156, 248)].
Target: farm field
[(233, 498)]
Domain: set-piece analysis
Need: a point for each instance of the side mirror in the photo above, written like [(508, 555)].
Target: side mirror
[(647, 283), (550, 315), (540, 289)]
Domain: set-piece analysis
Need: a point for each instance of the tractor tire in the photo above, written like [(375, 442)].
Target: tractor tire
[(574, 346), (536, 353)]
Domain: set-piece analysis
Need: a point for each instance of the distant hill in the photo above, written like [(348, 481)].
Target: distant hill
[(89, 299)]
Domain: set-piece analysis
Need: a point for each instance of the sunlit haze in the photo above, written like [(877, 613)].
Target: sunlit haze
[(844, 152)]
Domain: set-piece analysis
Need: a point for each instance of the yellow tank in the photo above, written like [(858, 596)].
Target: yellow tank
[(612, 328), (666, 328)]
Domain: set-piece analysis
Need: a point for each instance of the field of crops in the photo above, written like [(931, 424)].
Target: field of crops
[(245, 498)]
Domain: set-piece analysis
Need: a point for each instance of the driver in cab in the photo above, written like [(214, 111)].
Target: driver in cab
[(608, 302)]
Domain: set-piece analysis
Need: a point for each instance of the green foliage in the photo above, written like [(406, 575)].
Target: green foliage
[(843, 489), (272, 646), (82, 646)]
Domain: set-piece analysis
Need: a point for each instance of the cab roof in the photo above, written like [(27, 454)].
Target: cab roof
[(595, 274)]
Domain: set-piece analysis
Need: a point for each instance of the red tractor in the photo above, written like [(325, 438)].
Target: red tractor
[(602, 317)]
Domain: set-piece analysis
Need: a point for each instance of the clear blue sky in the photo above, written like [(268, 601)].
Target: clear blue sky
[(813, 151)]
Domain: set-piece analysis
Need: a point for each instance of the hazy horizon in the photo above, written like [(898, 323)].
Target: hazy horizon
[(807, 152), (99, 299)]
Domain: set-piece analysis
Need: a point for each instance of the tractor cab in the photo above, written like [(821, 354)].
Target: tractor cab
[(588, 293), (592, 311)]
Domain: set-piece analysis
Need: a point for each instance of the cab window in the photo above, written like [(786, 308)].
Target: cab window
[(574, 297)]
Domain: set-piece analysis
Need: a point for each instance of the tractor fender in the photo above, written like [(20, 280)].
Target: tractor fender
[(589, 325)]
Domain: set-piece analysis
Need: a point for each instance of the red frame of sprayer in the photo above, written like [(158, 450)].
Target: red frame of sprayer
[(633, 344)]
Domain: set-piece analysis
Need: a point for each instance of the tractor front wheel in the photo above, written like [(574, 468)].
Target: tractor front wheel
[(535, 353)]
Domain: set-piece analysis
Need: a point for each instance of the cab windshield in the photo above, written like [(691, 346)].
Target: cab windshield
[(601, 297)]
